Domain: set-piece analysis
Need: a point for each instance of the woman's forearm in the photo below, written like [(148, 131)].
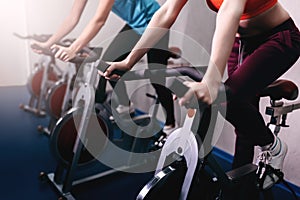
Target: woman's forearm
[(161, 21), (65, 28), (69, 23), (94, 26), (227, 23), (90, 31)]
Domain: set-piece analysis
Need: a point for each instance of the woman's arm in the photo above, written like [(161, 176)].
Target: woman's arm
[(67, 25), (227, 23), (89, 32), (161, 21)]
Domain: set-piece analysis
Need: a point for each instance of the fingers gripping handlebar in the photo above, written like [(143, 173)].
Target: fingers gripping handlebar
[(177, 86), (44, 51), (85, 55)]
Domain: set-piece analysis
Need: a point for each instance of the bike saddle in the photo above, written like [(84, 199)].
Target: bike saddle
[(174, 52), (281, 89)]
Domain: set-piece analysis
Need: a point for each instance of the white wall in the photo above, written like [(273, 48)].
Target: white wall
[(37, 17), (13, 53)]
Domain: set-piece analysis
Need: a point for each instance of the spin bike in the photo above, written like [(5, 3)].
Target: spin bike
[(45, 73), (59, 96), (84, 140), (186, 167)]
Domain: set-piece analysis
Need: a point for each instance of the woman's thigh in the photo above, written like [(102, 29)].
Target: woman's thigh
[(263, 66)]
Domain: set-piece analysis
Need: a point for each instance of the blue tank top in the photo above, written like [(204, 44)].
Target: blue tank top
[(137, 13)]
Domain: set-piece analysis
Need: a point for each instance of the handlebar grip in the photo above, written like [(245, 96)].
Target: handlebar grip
[(174, 52), (102, 66), (43, 50), (151, 96), (178, 88), (67, 41), (41, 38), (21, 37), (93, 55)]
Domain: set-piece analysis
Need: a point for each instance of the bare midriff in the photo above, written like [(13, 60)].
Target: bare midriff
[(269, 14), (263, 22)]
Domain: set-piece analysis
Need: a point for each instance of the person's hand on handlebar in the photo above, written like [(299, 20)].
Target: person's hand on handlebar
[(43, 45), (63, 53), (200, 90), (115, 66)]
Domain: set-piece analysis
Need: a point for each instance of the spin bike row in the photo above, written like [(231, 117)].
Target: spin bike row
[(185, 168), (52, 89), (46, 72), (65, 131), (49, 85)]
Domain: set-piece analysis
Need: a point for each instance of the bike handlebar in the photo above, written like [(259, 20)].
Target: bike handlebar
[(44, 51), (177, 86), (195, 73), (86, 55), (44, 38), (38, 38), (174, 52)]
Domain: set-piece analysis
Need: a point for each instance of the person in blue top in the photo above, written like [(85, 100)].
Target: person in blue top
[(137, 14)]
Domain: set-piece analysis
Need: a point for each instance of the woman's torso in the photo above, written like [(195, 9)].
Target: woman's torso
[(136, 13), (263, 22), (260, 23)]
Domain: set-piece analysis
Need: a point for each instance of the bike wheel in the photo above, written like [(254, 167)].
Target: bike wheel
[(35, 80), (65, 133), (55, 98), (167, 183)]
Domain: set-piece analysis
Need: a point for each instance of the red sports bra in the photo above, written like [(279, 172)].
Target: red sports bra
[(252, 8)]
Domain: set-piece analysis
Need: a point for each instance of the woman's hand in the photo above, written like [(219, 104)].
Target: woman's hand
[(63, 53), (120, 66), (201, 91)]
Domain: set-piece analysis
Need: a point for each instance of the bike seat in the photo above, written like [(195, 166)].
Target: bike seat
[(279, 89), (174, 52)]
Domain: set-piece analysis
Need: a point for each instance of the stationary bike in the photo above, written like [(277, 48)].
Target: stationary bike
[(46, 72), (59, 95), (278, 110), (83, 140), (193, 172)]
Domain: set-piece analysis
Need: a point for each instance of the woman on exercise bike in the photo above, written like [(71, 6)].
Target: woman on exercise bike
[(259, 42), (136, 14)]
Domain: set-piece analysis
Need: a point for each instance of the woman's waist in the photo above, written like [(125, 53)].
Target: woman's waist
[(263, 23), (263, 36), (260, 29)]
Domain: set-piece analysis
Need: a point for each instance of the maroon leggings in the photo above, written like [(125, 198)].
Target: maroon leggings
[(255, 63)]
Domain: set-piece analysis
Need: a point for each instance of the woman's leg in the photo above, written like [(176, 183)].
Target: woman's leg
[(158, 58), (259, 69), (263, 63), (244, 149), (118, 49)]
